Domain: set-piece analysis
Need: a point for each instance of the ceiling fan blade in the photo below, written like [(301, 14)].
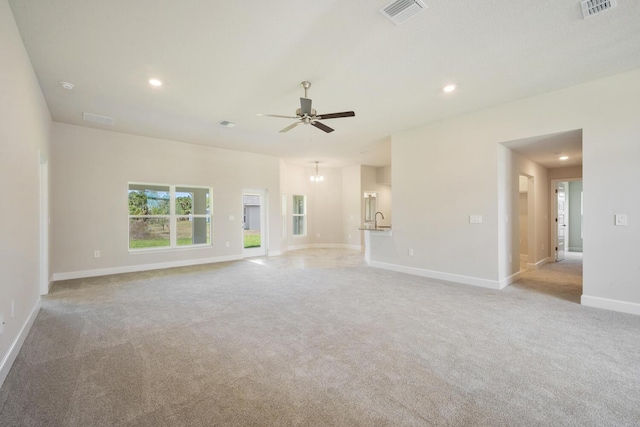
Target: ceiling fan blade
[(322, 126), (276, 115), (288, 128), (335, 115), (305, 106)]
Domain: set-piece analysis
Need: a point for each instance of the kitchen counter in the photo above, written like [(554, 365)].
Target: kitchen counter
[(379, 228)]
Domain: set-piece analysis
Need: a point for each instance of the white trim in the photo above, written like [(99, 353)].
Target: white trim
[(354, 247), (324, 246), (509, 280), (263, 249), (142, 267), (15, 347), (539, 264), (610, 304), (575, 249), (274, 253), (467, 280)]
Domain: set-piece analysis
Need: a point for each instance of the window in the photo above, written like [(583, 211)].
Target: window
[(299, 215), (167, 216)]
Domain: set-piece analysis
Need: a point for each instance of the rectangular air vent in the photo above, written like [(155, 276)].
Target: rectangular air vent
[(400, 10), (593, 7), (103, 120)]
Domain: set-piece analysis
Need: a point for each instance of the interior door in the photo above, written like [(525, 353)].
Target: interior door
[(253, 223), (561, 220)]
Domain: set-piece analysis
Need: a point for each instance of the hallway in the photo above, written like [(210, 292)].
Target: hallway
[(560, 279)]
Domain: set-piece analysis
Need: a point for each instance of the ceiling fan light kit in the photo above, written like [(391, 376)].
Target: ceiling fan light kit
[(308, 116)]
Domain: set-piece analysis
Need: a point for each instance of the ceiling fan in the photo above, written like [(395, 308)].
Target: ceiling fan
[(308, 116)]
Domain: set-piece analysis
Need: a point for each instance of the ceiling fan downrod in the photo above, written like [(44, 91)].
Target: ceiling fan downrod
[(306, 85)]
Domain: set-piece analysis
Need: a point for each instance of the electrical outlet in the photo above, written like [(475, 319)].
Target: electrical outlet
[(510, 258), (318, 235), (227, 244), (410, 252), (231, 218), (1, 323), (349, 236), (96, 254)]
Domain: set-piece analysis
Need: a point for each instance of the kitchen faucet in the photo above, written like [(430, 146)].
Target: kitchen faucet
[(375, 221)]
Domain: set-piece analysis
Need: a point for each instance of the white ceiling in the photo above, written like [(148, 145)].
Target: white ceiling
[(546, 150), (231, 60)]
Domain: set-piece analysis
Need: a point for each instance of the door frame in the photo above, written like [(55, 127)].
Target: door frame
[(263, 250), (554, 211)]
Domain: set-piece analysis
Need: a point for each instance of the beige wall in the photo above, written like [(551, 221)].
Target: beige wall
[(538, 211), (566, 173), (24, 143), (324, 205), (352, 206), (90, 172), (524, 223), (575, 216), (371, 181), (445, 171)]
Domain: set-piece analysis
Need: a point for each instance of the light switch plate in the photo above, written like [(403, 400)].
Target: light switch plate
[(621, 219), (475, 219)]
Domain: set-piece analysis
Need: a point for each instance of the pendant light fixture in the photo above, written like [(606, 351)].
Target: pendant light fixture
[(317, 177)]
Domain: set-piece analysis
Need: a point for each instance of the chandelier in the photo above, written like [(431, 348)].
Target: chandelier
[(317, 177)]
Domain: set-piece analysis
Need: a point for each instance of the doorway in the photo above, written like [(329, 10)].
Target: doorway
[(254, 226), (567, 205)]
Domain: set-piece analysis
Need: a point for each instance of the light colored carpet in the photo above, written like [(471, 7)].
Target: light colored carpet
[(316, 338)]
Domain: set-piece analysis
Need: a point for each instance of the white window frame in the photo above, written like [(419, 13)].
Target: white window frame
[(303, 215), (172, 217)]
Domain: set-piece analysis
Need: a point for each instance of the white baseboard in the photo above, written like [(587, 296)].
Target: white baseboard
[(354, 247), (467, 280), (611, 304), (538, 264), (142, 267), (274, 253), (324, 246), (575, 249), (15, 347), (509, 280)]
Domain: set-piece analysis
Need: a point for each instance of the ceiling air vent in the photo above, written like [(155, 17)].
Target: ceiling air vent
[(103, 120), (593, 7), (400, 10)]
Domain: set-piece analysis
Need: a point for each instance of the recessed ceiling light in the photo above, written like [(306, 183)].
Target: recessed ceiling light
[(155, 82), (66, 85), (449, 88), (563, 158)]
